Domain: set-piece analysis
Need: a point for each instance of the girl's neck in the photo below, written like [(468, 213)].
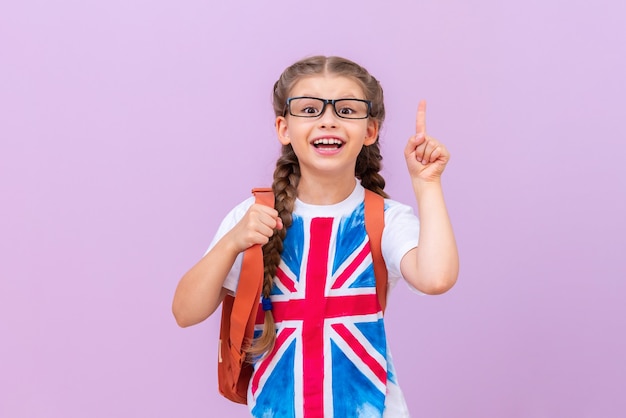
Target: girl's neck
[(325, 191)]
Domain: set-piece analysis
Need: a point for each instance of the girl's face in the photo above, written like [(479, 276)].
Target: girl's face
[(327, 145)]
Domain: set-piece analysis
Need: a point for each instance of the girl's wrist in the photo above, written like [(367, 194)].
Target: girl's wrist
[(421, 186), (229, 245)]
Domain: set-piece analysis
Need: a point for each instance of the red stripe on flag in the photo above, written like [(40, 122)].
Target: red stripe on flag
[(280, 340), (360, 351), (352, 267), (313, 324), (285, 280)]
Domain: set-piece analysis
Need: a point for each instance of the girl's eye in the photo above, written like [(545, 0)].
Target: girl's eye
[(310, 110), (345, 110)]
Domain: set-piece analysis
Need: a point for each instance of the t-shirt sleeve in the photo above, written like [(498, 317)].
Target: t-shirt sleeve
[(401, 234), (231, 219)]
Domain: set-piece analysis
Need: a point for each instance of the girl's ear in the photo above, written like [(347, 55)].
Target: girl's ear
[(282, 131), (372, 132)]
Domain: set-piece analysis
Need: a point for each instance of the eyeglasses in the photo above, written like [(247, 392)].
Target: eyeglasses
[(313, 107)]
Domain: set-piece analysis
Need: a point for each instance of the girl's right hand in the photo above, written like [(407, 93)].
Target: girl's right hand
[(256, 227)]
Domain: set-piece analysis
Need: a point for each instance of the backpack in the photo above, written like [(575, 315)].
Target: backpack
[(239, 312)]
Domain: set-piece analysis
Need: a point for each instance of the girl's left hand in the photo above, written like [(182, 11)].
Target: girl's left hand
[(426, 158)]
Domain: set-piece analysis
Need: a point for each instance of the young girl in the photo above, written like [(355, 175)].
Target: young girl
[(323, 350)]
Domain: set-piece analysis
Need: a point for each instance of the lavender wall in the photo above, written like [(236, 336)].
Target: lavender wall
[(121, 149)]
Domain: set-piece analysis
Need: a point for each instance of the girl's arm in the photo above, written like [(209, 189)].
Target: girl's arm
[(200, 290), (433, 266)]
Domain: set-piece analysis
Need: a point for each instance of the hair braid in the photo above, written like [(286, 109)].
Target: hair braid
[(368, 165), (286, 179)]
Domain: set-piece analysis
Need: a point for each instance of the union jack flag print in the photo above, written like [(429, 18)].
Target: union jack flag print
[(330, 356)]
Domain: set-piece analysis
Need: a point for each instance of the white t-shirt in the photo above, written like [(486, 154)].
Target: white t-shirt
[(399, 236)]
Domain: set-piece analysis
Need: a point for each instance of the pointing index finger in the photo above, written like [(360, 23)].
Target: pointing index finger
[(420, 120)]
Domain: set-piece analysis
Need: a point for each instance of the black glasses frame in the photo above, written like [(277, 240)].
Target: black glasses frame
[(326, 103)]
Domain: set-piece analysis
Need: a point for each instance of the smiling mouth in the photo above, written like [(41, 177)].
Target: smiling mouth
[(328, 143)]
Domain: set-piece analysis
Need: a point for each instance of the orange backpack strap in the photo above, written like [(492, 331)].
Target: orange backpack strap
[(249, 288), (238, 318), (374, 224)]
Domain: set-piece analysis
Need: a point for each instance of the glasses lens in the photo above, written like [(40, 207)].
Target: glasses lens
[(351, 108), (306, 107)]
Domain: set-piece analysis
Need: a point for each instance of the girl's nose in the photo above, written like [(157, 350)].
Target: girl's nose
[(328, 119)]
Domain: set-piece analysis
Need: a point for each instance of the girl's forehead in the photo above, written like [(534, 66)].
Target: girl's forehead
[(327, 86)]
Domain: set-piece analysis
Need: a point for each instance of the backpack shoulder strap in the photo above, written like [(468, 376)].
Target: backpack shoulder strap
[(374, 224), (264, 196), (246, 302)]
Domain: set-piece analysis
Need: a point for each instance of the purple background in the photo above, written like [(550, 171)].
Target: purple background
[(123, 144)]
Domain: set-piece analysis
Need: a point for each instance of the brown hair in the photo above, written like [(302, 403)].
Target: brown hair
[(287, 172)]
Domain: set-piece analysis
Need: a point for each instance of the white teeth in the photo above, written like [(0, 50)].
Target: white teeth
[(327, 141)]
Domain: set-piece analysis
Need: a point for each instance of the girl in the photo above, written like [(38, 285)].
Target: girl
[(324, 352)]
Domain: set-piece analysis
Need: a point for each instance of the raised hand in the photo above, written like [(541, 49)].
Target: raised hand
[(426, 158), (256, 227)]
